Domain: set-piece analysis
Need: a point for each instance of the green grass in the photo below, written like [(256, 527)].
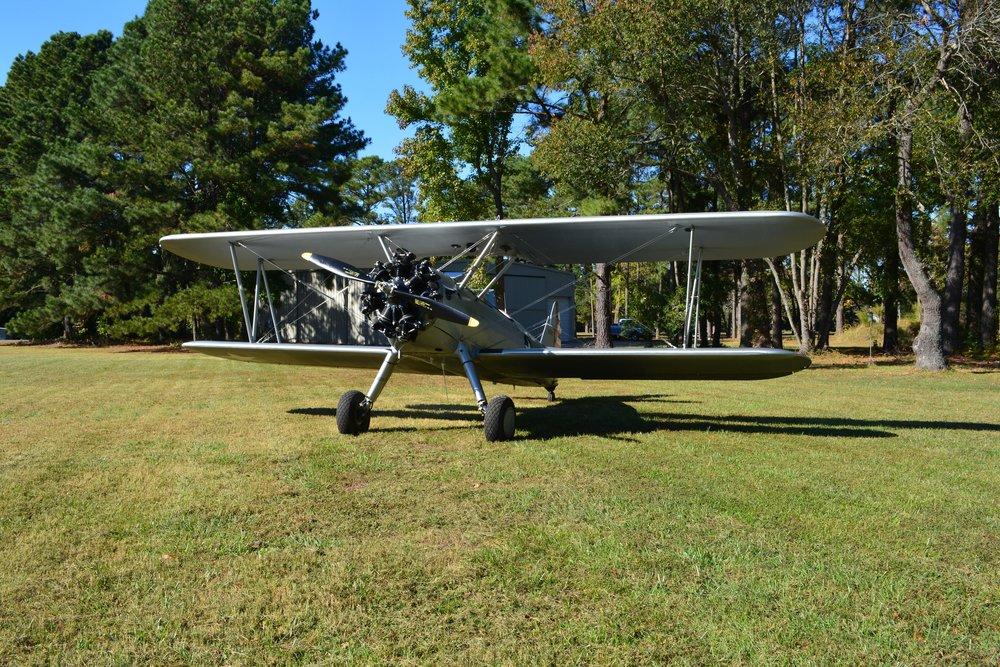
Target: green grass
[(174, 508)]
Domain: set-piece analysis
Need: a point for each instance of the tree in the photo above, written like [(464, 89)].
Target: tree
[(244, 132), (921, 48), (988, 322), (589, 129), (379, 192), (57, 223), (469, 53), (241, 130)]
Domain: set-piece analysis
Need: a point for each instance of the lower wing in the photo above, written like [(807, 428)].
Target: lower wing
[(534, 366), (346, 356), (644, 363)]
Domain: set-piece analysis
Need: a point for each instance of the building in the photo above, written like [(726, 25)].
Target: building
[(308, 317), (530, 291)]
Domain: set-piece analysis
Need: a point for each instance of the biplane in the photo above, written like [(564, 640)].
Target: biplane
[(436, 323)]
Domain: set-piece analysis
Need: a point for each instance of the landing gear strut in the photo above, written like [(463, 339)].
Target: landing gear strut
[(354, 411), (498, 414)]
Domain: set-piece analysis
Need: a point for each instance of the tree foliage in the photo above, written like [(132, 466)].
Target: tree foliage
[(242, 130), (879, 118), (469, 53)]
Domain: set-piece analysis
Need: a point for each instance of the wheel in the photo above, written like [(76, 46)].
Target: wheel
[(353, 416), (498, 422)]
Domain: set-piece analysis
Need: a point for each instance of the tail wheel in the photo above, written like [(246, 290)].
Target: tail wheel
[(353, 416), (498, 421)]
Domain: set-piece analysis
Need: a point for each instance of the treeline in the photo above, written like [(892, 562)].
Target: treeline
[(879, 118), (202, 116)]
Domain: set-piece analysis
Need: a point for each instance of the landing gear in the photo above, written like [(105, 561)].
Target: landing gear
[(499, 418), (470, 372), (498, 414), (354, 413)]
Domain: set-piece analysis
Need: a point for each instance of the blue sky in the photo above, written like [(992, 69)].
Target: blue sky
[(371, 30)]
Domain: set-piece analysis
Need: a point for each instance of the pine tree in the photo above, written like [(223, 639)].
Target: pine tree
[(204, 116), (55, 217), (470, 53)]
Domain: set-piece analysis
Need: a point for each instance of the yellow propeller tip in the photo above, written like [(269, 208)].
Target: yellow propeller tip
[(473, 322), (307, 256)]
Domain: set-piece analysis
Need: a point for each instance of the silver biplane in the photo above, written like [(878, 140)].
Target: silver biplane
[(436, 323)]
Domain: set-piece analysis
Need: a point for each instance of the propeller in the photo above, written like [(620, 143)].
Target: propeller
[(391, 289), (444, 311), (337, 268)]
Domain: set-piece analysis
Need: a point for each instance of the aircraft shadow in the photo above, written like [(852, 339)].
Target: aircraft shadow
[(314, 412), (614, 417), (835, 366), (611, 417)]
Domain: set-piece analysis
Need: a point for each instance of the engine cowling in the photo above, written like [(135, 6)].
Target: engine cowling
[(399, 319)]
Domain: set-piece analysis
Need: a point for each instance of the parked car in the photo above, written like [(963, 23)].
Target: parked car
[(628, 329)]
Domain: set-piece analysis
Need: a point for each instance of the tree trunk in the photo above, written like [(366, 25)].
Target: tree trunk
[(927, 346), (839, 327), (974, 275), (745, 306), (988, 319), (952, 306), (824, 307), (957, 231), (737, 324), (798, 276), (755, 326), (717, 316), (602, 309), (825, 266), (890, 303), (776, 328)]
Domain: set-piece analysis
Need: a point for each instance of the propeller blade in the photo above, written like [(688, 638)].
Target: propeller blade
[(441, 310), (337, 268)]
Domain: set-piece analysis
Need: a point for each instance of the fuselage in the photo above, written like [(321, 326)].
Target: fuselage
[(496, 329)]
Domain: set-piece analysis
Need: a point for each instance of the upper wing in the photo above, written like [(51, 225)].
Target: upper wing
[(644, 363), (624, 238)]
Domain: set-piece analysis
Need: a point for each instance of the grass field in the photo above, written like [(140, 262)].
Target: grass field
[(173, 508)]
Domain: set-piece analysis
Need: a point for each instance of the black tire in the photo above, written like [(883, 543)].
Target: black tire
[(499, 420), (353, 417)]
